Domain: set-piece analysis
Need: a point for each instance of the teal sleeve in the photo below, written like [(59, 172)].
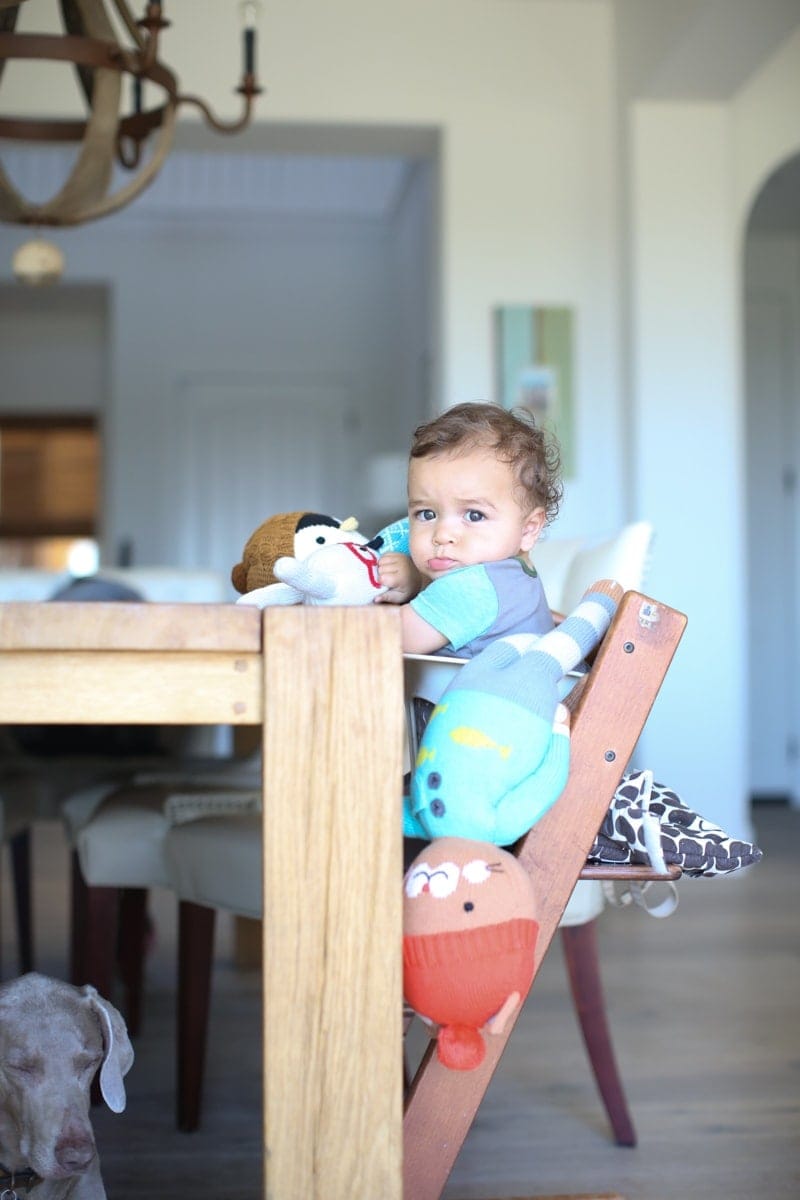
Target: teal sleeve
[(461, 604)]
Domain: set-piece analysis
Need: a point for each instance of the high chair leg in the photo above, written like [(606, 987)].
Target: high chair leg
[(580, 952)]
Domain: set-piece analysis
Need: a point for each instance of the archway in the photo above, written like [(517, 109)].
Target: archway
[(772, 432)]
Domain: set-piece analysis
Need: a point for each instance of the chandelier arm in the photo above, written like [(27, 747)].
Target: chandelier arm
[(90, 45), (130, 23), (89, 18), (91, 52), (86, 18), (91, 175), (248, 94), (12, 203), (8, 19), (131, 190)]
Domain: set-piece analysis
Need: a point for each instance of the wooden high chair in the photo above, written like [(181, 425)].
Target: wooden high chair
[(609, 708)]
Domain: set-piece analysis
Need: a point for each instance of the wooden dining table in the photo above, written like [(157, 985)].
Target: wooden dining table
[(325, 686)]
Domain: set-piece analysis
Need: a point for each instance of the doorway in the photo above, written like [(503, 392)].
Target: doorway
[(772, 390), (295, 267), (49, 492), (54, 384)]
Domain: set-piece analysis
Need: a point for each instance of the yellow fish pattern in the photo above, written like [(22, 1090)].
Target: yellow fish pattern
[(468, 735), (425, 755)]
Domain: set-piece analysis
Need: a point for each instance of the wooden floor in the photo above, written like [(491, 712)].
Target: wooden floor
[(705, 1008)]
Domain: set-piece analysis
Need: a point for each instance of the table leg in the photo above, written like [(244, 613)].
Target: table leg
[(332, 737)]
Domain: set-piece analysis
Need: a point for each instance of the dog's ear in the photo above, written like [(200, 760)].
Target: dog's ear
[(118, 1056)]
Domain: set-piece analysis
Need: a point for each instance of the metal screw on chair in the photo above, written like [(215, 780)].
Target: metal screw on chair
[(609, 755), (628, 647)]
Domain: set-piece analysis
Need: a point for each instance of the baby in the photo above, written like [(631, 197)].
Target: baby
[(482, 484)]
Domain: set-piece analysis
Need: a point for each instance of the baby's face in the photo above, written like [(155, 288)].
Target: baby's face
[(463, 510)]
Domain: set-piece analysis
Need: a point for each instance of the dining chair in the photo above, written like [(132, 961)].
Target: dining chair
[(66, 772), (117, 830), (214, 864)]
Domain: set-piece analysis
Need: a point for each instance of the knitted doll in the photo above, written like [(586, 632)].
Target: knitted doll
[(342, 573), (285, 535), (495, 753), (469, 936)]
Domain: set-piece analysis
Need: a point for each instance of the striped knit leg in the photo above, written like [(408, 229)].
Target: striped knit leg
[(581, 631)]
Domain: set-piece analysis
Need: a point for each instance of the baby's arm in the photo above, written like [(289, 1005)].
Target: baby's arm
[(398, 574), (418, 636)]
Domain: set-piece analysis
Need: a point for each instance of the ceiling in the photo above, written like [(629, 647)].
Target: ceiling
[(698, 49), (668, 49)]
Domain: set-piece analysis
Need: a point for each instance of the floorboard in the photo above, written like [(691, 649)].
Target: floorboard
[(704, 1012)]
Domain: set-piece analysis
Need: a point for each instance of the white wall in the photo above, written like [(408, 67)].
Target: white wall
[(252, 303), (688, 451), (696, 169), (522, 95), (53, 349)]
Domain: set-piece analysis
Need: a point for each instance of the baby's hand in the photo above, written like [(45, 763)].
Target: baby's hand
[(400, 577)]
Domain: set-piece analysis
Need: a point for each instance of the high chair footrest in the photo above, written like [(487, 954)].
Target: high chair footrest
[(626, 871)]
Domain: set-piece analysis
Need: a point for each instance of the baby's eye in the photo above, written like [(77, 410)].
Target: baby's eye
[(474, 515), (424, 514)]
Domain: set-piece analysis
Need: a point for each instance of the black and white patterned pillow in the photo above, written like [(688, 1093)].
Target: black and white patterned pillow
[(695, 844)]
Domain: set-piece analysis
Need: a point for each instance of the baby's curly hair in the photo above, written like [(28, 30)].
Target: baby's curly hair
[(532, 452)]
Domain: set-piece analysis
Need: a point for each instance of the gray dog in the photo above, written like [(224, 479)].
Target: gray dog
[(53, 1038)]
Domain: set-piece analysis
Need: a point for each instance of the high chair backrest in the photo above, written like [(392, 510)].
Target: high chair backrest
[(609, 708)]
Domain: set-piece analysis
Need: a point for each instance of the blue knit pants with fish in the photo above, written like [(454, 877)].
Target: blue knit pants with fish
[(495, 753)]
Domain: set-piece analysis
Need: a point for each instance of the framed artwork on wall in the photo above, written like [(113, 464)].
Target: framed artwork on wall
[(534, 368)]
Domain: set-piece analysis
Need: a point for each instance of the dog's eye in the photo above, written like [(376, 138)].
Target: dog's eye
[(87, 1063), (25, 1066)]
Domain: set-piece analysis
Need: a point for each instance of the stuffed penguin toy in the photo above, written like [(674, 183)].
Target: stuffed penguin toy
[(288, 535)]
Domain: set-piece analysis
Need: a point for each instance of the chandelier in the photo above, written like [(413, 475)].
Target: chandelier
[(139, 138)]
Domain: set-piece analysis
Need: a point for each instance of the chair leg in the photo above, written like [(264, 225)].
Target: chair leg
[(20, 848), (131, 953), (195, 953), (92, 937), (580, 952), (78, 916), (100, 931)]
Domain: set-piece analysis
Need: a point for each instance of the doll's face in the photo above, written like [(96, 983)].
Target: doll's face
[(314, 531), (455, 884)]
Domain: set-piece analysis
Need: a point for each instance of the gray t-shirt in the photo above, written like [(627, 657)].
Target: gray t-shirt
[(473, 606)]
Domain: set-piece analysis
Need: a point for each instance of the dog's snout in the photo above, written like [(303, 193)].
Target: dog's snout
[(74, 1151)]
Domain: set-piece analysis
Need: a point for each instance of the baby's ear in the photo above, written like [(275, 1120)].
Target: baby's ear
[(534, 524)]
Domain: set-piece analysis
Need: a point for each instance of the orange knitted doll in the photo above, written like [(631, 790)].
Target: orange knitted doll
[(469, 936)]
